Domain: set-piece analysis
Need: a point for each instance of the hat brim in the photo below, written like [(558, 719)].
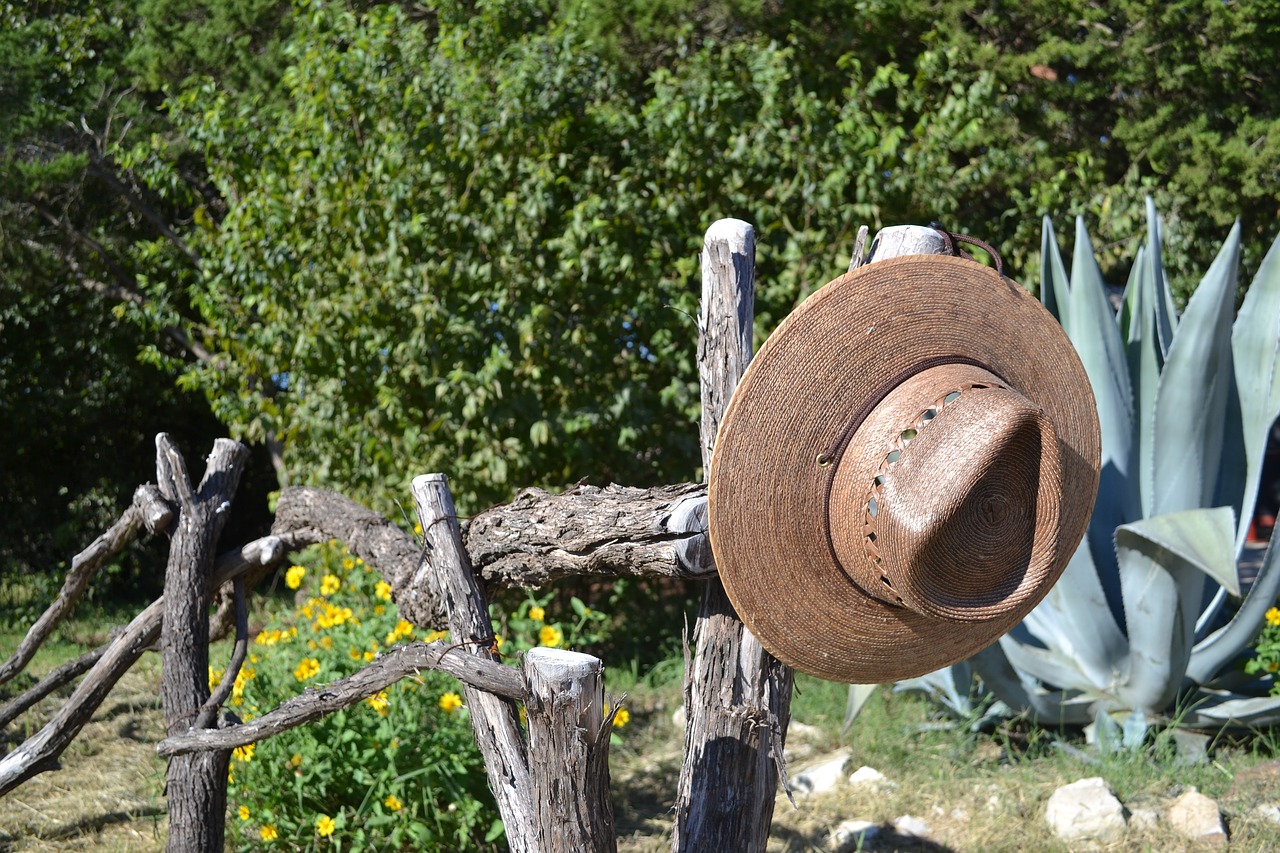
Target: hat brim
[(833, 353)]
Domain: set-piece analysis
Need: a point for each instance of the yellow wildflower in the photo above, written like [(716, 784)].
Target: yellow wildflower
[(326, 642), (382, 590), (268, 832), (370, 655), (417, 527), (329, 584), (1273, 616), (550, 636), (392, 802), (450, 702), (348, 564), (436, 635), (293, 577), (296, 759), (306, 669), (244, 812), (354, 653), (621, 718), (243, 753), (380, 703), (324, 825), (215, 675), (536, 613)]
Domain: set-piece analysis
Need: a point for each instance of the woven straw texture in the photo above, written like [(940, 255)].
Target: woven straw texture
[(903, 472)]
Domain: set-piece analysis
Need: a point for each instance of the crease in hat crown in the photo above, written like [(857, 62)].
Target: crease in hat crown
[(904, 470)]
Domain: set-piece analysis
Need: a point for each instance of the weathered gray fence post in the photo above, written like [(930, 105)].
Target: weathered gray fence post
[(196, 785), (569, 751), (737, 695), (445, 573)]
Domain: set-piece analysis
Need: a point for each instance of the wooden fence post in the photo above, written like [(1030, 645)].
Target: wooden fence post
[(569, 751), (196, 785), (446, 573), (737, 695)]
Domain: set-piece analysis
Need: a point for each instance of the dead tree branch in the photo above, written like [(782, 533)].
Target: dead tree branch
[(401, 662), (148, 509), (613, 532), (40, 751)]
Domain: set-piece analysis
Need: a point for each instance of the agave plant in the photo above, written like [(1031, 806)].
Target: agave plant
[(1149, 616)]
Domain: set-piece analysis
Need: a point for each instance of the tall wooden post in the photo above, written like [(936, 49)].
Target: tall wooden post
[(446, 573), (737, 695), (196, 784)]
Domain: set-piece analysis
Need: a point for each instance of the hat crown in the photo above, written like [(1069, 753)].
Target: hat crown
[(946, 500)]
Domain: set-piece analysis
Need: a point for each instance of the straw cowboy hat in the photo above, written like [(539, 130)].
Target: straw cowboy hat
[(904, 471)]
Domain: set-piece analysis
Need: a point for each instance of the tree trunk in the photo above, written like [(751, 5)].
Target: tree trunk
[(737, 695), (196, 785)]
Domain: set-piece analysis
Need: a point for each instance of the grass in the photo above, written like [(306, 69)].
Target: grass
[(975, 791)]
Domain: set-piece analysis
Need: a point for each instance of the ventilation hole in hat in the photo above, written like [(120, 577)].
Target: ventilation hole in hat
[(893, 456), (823, 460), (952, 397), (871, 537), (873, 508), (879, 479), (884, 579), (928, 415), (907, 434)]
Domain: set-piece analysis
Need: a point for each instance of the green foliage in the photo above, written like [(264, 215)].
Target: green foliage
[(1266, 651), (1140, 621), (385, 239), (400, 769)]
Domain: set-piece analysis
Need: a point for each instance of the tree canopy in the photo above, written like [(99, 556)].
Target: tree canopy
[(457, 236)]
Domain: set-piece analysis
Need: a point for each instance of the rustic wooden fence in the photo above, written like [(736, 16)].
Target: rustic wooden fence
[(551, 778)]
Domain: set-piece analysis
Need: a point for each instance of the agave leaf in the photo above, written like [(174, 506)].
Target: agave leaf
[(1135, 730), (1166, 317), (1162, 594), (1129, 301), (1053, 278), (1217, 709), (1096, 337), (1077, 618), (1255, 343), (1023, 695), (1205, 538), (1142, 354), (1215, 650), (1191, 398), (858, 696), (1049, 666)]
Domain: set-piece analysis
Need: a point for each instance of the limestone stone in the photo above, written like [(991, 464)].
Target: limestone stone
[(852, 835), (910, 825), (1197, 817), (1086, 811), (822, 776), (869, 777)]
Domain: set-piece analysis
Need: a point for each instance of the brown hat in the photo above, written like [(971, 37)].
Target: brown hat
[(904, 470)]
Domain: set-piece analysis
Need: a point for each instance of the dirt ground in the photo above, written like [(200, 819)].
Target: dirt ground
[(108, 794)]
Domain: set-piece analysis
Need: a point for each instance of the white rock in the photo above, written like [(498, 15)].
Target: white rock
[(910, 825), (1269, 812), (1085, 811), (802, 730), (1197, 817), (852, 834), (823, 776), (869, 777), (1143, 819)]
